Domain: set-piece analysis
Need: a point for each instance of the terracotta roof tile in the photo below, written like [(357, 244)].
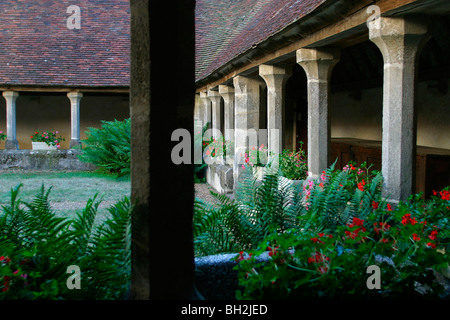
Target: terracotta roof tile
[(225, 29), (39, 49)]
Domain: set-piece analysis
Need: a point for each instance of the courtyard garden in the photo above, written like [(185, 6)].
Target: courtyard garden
[(54, 221)]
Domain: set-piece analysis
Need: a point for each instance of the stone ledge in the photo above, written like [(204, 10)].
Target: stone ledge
[(43, 160)]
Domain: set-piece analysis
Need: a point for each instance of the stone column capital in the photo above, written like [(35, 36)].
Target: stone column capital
[(227, 93), (399, 39), (10, 94), (204, 95), (74, 95), (274, 76), (318, 62), (244, 84), (214, 96)]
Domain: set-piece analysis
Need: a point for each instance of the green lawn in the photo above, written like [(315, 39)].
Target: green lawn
[(70, 190)]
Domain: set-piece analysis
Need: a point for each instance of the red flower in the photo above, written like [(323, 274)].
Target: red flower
[(383, 227), (317, 257), (431, 245), (316, 240), (322, 269), (361, 185), (389, 208), (374, 205), (415, 237), (433, 235), (407, 219)]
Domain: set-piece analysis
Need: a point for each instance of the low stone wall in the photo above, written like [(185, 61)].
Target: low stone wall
[(43, 160), (215, 278)]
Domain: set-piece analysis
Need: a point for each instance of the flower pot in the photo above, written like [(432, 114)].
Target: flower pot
[(42, 146)]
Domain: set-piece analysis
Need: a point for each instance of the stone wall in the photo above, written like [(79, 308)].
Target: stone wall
[(43, 160)]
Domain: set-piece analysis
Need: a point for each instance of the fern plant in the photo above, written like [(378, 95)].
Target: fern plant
[(237, 224), (38, 246), (273, 204)]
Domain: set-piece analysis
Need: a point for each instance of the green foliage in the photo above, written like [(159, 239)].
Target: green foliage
[(36, 247), (294, 165), (109, 147), (259, 208), (343, 228)]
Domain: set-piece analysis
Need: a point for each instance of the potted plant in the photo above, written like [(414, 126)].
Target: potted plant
[(46, 140)]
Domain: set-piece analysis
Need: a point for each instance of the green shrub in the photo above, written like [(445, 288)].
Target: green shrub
[(36, 247), (108, 147)]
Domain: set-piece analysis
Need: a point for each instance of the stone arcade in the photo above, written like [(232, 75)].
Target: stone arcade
[(370, 78), (321, 71)]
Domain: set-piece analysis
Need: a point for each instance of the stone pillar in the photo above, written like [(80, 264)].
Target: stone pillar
[(206, 107), (400, 41), (156, 112), (246, 120), (216, 113), (318, 65), (227, 94), (75, 98), (11, 142), (275, 78)]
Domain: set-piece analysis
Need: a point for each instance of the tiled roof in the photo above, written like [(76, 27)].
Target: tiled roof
[(37, 48), (227, 28)]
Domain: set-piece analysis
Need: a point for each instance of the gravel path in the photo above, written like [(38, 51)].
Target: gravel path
[(203, 192)]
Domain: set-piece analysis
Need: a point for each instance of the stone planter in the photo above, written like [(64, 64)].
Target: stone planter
[(42, 146)]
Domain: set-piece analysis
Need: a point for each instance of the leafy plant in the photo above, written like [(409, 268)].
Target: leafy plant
[(109, 147), (293, 165), (36, 247)]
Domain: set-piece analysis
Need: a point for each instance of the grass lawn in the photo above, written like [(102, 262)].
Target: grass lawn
[(70, 190)]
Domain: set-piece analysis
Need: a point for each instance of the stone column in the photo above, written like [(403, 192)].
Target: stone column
[(400, 41), (246, 120), (206, 106), (318, 65), (75, 98), (275, 78), (11, 138), (227, 94), (216, 113)]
